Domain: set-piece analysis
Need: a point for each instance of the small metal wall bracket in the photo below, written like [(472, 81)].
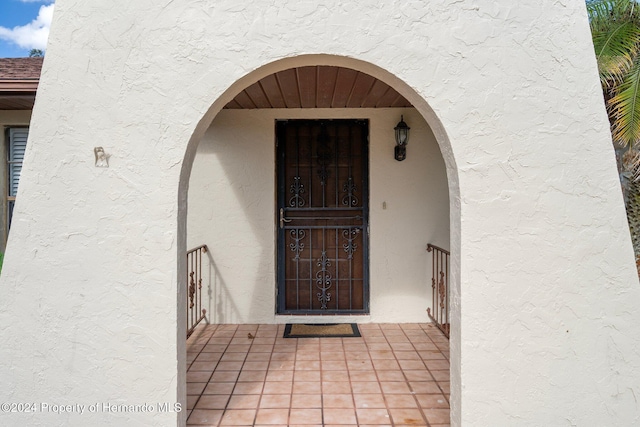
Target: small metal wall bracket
[(102, 158)]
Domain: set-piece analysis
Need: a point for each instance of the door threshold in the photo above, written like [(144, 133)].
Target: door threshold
[(310, 318)]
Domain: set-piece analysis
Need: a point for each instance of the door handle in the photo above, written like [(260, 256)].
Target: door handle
[(282, 218)]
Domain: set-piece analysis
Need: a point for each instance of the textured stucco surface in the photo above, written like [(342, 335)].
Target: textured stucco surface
[(545, 293), (232, 209)]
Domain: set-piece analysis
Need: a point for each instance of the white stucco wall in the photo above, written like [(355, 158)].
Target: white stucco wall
[(544, 304), (232, 210)]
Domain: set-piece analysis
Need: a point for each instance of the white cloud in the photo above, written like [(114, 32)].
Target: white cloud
[(37, 1), (34, 35)]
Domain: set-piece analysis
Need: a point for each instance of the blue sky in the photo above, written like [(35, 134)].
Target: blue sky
[(24, 25)]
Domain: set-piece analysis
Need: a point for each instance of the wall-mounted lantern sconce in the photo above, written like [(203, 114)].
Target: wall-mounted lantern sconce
[(402, 139)]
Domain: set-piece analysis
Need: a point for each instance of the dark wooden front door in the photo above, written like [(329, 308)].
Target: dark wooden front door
[(323, 213)]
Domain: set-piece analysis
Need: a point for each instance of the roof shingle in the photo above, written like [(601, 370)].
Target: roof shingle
[(20, 68)]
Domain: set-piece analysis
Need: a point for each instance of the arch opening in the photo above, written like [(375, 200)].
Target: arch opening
[(225, 141)]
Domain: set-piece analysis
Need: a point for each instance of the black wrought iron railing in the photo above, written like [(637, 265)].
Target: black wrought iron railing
[(195, 312), (439, 310)]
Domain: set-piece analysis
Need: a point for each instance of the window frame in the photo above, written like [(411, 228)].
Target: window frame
[(10, 194)]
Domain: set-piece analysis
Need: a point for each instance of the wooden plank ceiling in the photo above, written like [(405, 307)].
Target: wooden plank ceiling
[(318, 87)]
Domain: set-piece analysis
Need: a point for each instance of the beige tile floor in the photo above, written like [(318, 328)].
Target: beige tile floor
[(394, 375)]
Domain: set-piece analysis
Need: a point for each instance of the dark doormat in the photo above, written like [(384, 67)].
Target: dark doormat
[(327, 330)]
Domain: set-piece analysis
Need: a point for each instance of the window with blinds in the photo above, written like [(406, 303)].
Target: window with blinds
[(15, 155)]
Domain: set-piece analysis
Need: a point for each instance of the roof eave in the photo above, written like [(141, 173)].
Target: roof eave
[(21, 86)]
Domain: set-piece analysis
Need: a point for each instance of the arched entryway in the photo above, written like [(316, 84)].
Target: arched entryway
[(235, 194)]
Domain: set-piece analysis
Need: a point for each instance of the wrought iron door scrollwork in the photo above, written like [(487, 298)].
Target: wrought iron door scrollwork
[(350, 188), (324, 281), (297, 246), (350, 236), (297, 189), (322, 217)]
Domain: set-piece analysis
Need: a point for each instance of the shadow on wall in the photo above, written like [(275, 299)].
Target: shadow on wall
[(231, 208), (220, 305)]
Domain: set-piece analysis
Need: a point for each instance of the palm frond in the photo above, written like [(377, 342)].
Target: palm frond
[(615, 51), (603, 13), (624, 109), (612, 70)]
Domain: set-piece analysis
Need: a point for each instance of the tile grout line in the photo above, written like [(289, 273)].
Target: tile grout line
[(255, 415), (224, 410), (445, 395), (353, 398), (384, 399), (293, 376), (321, 385), (413, 392), (189, 367)]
